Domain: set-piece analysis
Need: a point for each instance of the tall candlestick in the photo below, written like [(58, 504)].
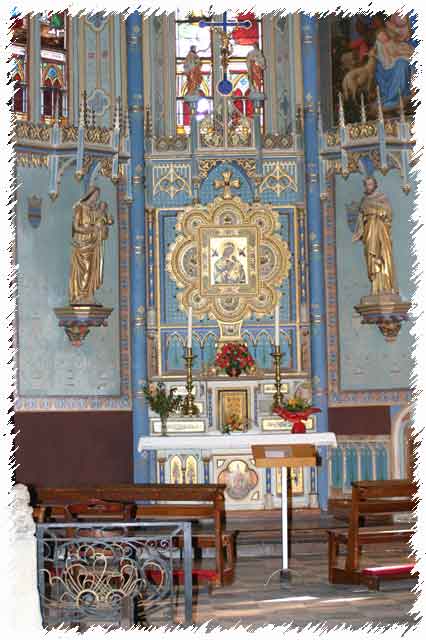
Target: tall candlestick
[(277, 325), (189, 338)]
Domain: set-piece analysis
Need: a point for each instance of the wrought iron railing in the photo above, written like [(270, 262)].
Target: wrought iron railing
[(112, 573)]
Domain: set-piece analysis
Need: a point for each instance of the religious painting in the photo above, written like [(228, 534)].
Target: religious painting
[(229, 260), (372, 55), (233, 403), (239, 478)]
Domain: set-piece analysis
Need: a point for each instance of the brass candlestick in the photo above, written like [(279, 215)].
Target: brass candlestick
[(278, 395), (189, 408)]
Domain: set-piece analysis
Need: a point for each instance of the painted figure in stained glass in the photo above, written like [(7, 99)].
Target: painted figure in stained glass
[(89, 231), (192, 68), (255, 68)]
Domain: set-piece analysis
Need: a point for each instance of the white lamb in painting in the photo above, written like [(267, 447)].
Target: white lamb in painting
[(360, 78)]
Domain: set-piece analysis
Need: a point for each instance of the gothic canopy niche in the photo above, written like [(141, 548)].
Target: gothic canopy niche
[(229, 261)]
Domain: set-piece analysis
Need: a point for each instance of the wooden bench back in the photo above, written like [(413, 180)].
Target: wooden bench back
[(155, 500), (373, 497), (382, 497)]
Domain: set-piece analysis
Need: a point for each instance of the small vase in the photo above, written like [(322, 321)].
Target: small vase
[(163, 425), (233, 372)]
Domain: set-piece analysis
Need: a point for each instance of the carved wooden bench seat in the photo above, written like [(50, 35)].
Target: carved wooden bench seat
[(371, 498)]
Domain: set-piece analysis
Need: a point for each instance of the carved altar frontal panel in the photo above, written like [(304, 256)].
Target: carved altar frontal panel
[(244, 486)]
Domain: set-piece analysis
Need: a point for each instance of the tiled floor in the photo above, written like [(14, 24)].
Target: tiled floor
[(256, 597)]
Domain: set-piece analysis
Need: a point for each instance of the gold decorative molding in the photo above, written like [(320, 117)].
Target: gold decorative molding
[(69, 134), (171, 178), (332, 139), (228, 260), (206, 166), (33, 132), (279, 177), (33, 160), (248, 166), (362, 130), (98, 135)]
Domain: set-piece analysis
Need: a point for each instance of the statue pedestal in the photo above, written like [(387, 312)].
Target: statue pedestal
[(77, 320), (386, 310)]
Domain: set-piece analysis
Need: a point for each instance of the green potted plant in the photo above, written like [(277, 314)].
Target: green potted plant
[(162, 402)]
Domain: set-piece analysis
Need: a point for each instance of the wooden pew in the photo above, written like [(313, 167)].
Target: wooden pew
[(196, 502), (371, 498)]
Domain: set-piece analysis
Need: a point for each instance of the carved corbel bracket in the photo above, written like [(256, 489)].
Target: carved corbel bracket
[(77, 320), (387, 311)]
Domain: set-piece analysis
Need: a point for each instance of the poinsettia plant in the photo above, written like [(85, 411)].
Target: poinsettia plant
[(296, 404), (162, 402), (234, 356)]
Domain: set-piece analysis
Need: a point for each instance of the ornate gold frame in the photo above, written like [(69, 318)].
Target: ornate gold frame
[(267, 262)]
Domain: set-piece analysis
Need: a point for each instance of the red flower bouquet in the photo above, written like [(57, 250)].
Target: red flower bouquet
[(234, 358), (296, 410)]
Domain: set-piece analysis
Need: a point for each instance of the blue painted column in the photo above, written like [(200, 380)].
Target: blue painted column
[(309, 34), (141, 460)]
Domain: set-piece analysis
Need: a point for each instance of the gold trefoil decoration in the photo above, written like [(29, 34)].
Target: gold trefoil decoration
[(172, 178), (228, 262), (279, 177)]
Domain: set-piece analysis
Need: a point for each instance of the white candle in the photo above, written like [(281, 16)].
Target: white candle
[(277, 325), (189, 338)]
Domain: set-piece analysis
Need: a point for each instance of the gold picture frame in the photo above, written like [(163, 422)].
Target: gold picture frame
[(229, 260), (233, 402)]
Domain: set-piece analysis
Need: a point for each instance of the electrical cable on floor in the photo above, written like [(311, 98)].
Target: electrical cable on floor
[(296, 573), (272, 574)]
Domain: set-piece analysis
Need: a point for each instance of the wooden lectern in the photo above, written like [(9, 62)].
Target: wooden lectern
[(284, 456)]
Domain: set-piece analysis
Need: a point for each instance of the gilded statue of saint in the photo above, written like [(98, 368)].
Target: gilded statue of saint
[(89, 232), (374, 228)]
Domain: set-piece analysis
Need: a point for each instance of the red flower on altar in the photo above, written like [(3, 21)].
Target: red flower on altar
[(234, 356)]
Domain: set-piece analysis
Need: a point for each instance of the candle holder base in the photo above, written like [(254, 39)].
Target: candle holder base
[(278, 395)]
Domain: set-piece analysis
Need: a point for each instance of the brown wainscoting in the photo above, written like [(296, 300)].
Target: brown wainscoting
[(365, 421), (69, 448)]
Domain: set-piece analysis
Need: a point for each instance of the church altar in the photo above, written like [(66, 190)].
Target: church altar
[(241, 441), (228, 459)]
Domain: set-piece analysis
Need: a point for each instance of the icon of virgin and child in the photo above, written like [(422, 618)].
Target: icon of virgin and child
[(228, 269)]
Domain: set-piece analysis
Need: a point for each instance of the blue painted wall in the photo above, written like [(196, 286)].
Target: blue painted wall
[(367, 361), (48, 364)]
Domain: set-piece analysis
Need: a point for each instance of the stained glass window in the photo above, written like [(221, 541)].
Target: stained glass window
[(245, 32), (188, 34), (243, 40), (19, 47), (53, 69)]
